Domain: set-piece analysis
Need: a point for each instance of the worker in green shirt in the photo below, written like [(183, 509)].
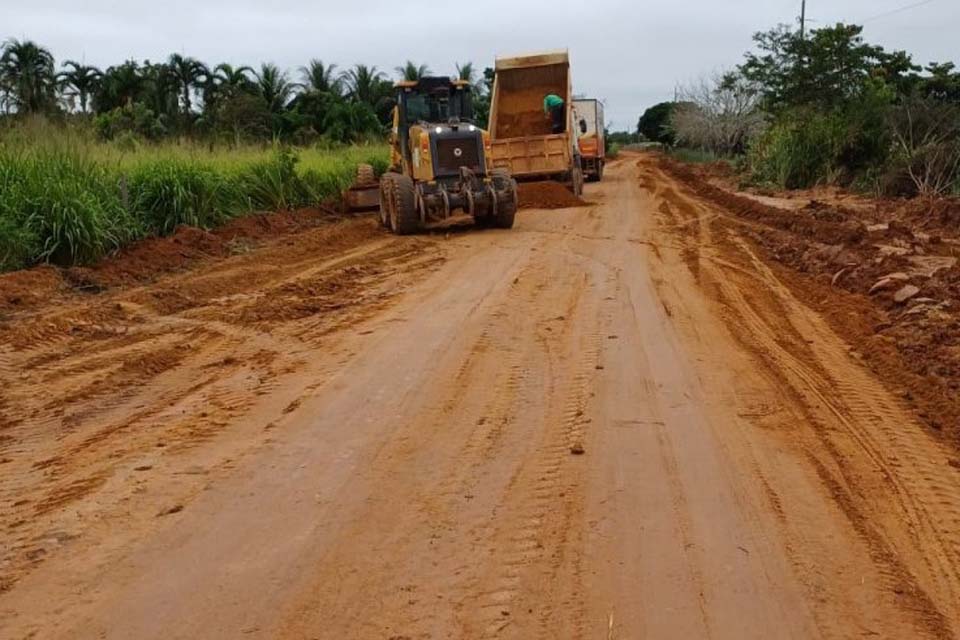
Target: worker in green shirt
[(553, 108)]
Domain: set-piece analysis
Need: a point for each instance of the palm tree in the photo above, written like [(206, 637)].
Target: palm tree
[(413, 72), (120, 86), (274, 86), (81, 81), (28, 73), (364, 84), (468, 72), (320, 77), (226, 76), (188, 73)]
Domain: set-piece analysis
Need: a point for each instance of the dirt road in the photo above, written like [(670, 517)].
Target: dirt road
[(614, 421)]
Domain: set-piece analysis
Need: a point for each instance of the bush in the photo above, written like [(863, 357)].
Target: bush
[(273, 184), (168, 193), (654, 124), (808, 147), (134, 119), (927, 145)]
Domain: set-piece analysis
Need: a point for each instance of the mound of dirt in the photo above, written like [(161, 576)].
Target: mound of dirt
[(27, 288), (147, 258), (143, 261), (547, 195)]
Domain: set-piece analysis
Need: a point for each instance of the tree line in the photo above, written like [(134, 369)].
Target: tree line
[(184, 96), (824, 107)]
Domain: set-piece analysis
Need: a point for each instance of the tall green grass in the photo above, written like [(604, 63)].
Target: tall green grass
[(69, 200)]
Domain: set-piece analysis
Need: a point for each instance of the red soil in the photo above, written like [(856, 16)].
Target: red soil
[(547, 195)]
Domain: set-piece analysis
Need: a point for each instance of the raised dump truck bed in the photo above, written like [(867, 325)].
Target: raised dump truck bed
[(521, 136)]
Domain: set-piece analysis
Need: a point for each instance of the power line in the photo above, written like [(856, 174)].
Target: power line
[(896, 11)]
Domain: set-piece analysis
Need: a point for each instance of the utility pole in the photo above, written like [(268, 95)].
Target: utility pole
[(803, 19)]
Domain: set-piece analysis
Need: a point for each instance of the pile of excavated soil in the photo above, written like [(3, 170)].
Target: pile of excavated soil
[(145, 260), (887, 279), (547, 195), (29, 287)]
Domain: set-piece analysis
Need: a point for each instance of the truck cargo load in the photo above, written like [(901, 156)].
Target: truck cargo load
[(522, 140)]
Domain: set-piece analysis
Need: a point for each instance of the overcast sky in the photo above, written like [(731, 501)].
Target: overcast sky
[(630, 53)]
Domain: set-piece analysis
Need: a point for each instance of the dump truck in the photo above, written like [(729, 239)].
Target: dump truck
[(522, 139), (440, 161), (588, 113)]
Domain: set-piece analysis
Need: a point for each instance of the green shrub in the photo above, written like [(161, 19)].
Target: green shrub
[(806, 146), (136, 119)]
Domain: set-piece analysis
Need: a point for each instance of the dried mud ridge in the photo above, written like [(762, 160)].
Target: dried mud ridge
[(887, 277), (629, 419)]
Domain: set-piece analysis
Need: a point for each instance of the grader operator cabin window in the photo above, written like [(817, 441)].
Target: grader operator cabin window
[(439, 104)]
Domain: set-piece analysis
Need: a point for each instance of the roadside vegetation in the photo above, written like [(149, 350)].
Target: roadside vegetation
[(68, 198), (92, 159), (825, 108)]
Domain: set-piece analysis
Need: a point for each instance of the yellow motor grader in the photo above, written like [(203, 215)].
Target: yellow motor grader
[(440, 161)]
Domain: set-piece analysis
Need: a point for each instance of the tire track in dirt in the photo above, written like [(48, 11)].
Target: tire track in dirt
[(806, 358), (471, 423), (531, 541), (161, 369), (928, 498)]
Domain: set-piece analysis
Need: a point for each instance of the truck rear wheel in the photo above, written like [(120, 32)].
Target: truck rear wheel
[(576, 181), (404, 218)]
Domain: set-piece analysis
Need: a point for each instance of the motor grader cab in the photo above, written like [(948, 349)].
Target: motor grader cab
[(440, 161)]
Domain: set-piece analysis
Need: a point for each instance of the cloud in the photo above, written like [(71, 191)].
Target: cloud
[(629, 53)]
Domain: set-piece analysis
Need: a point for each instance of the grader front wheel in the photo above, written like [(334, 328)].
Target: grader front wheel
[(404, 217), (506, 209)]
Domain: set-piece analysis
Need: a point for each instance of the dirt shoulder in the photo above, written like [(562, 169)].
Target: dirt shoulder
[(150, 258), (884, 273)]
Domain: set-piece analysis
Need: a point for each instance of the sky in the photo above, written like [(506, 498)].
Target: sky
[(629, 53)]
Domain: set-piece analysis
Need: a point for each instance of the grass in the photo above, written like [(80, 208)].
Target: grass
[(695, 156), (68, 199)]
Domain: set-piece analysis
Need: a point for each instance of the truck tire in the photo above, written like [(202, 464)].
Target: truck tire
[(404, 217), (506, 207), (576, 181)]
